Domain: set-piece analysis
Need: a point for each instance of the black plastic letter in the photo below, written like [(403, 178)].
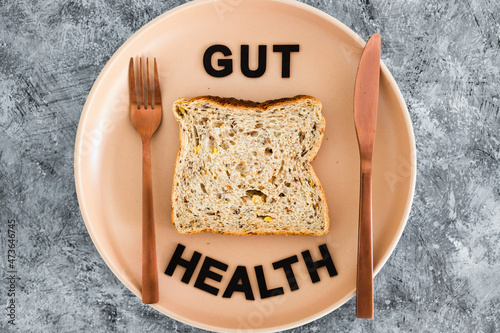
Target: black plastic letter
[(226, 64), (206, 273), (245, 66), (285, 57), (240, 274), (286, 264), (326, 261), (176, 260), (261, 280)]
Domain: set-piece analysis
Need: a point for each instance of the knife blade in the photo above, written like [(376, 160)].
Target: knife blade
[(366, 92)]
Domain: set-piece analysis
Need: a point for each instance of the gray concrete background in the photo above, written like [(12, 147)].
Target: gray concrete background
[(445, 271)]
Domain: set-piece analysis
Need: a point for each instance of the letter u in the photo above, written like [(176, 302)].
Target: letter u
[(245, 66)]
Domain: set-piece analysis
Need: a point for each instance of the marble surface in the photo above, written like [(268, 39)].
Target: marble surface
[(443, 275)]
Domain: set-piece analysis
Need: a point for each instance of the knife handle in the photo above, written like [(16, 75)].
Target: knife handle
[(364, 280)]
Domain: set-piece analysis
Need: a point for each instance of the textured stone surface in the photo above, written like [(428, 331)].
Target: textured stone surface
[(444, 273)]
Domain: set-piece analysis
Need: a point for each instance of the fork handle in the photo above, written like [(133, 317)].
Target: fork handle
[(364, 281), (150, 293)]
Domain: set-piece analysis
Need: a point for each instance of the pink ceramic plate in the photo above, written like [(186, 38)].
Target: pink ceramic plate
[(108, 165)]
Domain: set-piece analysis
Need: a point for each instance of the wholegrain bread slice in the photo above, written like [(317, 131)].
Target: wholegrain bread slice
[(243, 168)]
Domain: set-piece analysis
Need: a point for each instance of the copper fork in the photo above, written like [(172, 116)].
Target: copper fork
[(145, 113)]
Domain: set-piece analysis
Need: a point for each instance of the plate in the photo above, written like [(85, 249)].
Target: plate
[(108, 164)]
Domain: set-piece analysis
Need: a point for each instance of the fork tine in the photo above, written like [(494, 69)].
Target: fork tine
[(149, 98), (141, 84), (132, 90), (157, 86)]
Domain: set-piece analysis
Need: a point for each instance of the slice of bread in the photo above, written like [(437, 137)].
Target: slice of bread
[(243, 168)]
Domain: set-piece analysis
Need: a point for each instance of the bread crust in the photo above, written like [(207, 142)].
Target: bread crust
[(241, 103), (263, 106)]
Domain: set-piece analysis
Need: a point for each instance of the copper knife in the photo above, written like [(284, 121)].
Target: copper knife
[(366, 92)]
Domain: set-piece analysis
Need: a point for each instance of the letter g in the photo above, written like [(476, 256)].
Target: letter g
[(226, 64)]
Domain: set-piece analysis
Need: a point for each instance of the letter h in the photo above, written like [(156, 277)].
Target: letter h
[(190, 265), (326, 261)]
